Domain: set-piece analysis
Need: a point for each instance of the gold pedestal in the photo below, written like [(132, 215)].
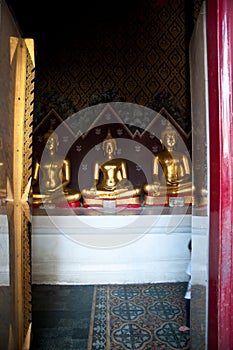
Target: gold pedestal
[(52, 205), (125, 202), (169, 200)]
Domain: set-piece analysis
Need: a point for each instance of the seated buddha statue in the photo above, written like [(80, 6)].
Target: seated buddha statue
[(111, 180), (51, 177), (171, 171)]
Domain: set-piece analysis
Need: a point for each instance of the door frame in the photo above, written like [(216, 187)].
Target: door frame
[(220, 63)]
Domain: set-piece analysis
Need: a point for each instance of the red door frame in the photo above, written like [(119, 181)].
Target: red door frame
[(220, 65)]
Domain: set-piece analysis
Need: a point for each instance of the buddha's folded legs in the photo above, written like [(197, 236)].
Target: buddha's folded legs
[(56, 197), (119, 193), (155, 190)]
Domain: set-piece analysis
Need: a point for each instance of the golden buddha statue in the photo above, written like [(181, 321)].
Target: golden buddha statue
[(56, 176), (171, 172), (111, 180)]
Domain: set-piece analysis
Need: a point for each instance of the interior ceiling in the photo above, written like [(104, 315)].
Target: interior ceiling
[(42, 19)]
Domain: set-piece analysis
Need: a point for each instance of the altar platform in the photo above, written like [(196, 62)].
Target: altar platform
[(90, 246)]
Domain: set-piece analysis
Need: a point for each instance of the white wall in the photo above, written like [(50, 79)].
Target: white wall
[(4, 251), (110, 249)]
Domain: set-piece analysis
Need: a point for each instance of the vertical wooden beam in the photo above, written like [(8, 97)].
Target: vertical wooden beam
[(17, 187), (22, 61)]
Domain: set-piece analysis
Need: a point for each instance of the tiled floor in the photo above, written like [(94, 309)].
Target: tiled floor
[(61, 317), (100, 317), (5, 316)]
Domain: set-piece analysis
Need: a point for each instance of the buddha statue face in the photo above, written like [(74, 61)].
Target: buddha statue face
[(51, 140), (169, 137), (109, 145)]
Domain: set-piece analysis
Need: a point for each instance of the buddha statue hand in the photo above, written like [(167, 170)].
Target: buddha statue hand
[(124, 184), (152, 189), (156, 186), (93, 190)]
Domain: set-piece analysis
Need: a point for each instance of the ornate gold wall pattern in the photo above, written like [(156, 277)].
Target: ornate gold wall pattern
[(138, 54)]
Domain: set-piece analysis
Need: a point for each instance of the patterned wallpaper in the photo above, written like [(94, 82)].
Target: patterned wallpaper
[(138, 54)]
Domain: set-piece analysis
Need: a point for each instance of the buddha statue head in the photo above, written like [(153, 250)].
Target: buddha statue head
[(168, 137), (109, 145), (51, 140)]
